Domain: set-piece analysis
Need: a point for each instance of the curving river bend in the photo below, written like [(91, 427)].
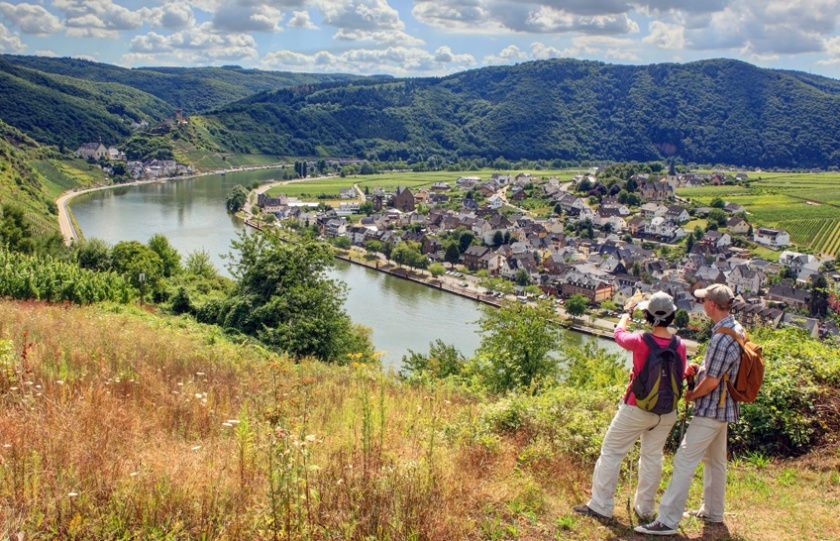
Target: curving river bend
[(191, 213)]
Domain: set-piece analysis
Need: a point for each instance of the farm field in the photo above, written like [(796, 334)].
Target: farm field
[(332, 186), (806, 205)]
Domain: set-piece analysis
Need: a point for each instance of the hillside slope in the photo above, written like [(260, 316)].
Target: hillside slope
[(190, 89), (32, 176), (67, 112), (165, 428), (716, 111)]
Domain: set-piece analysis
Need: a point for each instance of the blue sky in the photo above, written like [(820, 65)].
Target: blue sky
[(424, 37)]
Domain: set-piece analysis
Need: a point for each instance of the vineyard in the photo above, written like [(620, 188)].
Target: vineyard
[(806, 205), (821, 236)]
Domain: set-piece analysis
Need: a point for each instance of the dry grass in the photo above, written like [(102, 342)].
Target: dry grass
[(119, 424)]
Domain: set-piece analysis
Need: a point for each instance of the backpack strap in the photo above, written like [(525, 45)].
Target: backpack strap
[(728, 331), (651, 342)]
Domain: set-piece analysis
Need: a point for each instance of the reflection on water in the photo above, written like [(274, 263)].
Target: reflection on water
[(191, 213)]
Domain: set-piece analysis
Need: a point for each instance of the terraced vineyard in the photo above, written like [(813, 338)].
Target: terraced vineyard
[(806, 205)]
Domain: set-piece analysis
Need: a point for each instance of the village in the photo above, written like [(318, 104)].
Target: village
[(604, 244)]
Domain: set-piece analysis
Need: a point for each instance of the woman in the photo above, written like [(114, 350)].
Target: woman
[(632, 421)]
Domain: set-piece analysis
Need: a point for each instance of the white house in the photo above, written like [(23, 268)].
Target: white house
[(771, 237)]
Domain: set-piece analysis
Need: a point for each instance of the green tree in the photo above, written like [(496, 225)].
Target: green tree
[(819, 296), (442, 361), (342, 242), (681, 319), (717, 216), (516, 342), (498, 238), (199, 264), (522, 277), (94, 254), (169, 256), (284, 297), (15, 231), (717, 203), (437, 269), (576, 305), (373, 246), (181, 302), (139, 264), (465, 240), (452, 255), (366, 208), (236, 198)]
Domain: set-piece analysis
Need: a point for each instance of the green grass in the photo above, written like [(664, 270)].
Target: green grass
[(389, 181), (807, 205)]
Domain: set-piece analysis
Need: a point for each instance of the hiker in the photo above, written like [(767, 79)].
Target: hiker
[(658, 357), (714, 408)]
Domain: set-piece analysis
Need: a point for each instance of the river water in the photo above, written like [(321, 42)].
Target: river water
[(191, 213)]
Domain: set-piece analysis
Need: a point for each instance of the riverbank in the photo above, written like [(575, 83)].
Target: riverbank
[(67, 226), (591, 326)]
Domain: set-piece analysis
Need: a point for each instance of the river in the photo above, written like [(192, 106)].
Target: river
[(191, 213)]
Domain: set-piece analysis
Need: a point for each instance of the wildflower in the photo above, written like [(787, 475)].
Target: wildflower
[(281, 432), (7, 446), (310, 438), (72, 494), (199, 396)]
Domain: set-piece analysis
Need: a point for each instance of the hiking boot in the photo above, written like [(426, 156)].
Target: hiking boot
[(655, 528), (644, 519), (585, 510), (702, 516)]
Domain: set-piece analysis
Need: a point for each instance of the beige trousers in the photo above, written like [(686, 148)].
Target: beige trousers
[(627, 426), (704, 440)]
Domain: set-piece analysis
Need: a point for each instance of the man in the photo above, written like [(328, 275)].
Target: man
[(705, 438), (631, 421)]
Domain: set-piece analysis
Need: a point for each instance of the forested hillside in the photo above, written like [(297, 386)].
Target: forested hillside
[(65, 111), (190, 89), (31, 177), (716, 111)]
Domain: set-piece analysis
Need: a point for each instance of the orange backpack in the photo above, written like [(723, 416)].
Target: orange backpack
[(750, 371)]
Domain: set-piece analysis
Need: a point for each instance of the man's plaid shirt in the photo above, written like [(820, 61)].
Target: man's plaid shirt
[(723, 356)]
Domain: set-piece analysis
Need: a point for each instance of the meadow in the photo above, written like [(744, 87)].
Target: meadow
[(165, 429), (807, 205), (389, 181)]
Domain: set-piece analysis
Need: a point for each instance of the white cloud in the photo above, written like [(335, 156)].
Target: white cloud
[(832, 49), (392, 60), (193, 45), (508, 55), (10, 42), (173, 15), (482, 16), (301, 19), (248, 18), (665, 36), (30, 18), (366, 20)]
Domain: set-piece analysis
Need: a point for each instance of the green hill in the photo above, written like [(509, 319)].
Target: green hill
[(32, 176), (190, 89), (715, 111), (66, 111)]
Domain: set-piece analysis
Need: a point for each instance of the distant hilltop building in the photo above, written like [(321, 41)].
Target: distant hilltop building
[(98, 151)]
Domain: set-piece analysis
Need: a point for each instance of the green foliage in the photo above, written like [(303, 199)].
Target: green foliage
[(93, 254), (139, 264), (342, 242), (284, 298), (681, 319), (700, 112), (46, 278), (236, 198), (169, 256), (15, 231), (198, 264), (147, 147), (437, 269), (441, 361), (799, 373), (576, 305), (516, 342), (408, 253)]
